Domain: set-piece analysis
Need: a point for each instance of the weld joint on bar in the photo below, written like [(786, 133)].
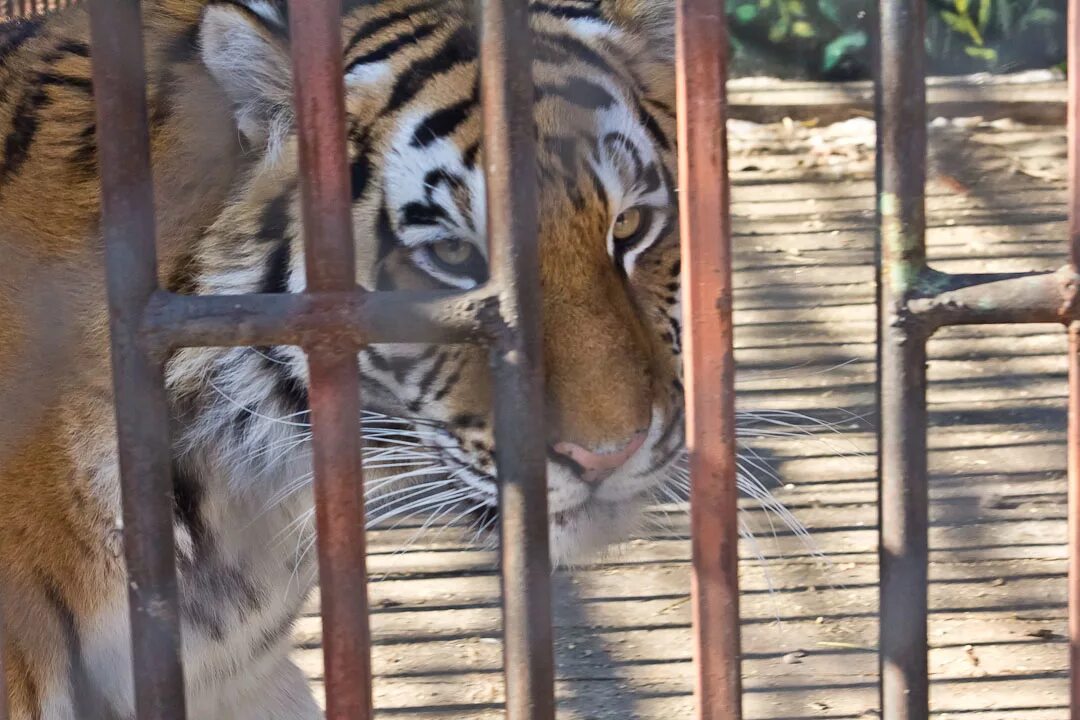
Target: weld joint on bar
[(500, 330), (942, 299)]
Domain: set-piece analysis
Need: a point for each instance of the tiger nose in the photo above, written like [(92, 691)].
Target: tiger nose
[(595, 467)]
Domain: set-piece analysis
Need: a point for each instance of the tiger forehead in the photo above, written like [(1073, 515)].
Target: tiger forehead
[(414, 100), (397, 54)]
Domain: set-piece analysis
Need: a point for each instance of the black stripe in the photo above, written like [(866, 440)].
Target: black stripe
[(290, 389), (184, 46), (669, 183), (180, 50), (86, 696), (376, 24), (616, 142), (444, 122), (469, 156), (377, 360), (390, 47), (188, 496), (662, 107), (271, 637), (14, 34), (74, 47), (468, 421), (384, 232), (557, 48), (84, 158), (651, 178), (581, 92), (416, 213), (565, 11), (276, 280), (676, 331), (24, 126), (431, 374), (242, 420), (451, 381), (68, 81), (398, 366), (274, 223), (665, 436), (360, 172), (441, 176), (459, 48), (566, 462), (653, 127), (598, 185)]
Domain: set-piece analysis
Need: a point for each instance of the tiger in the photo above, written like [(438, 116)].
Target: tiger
[(227, 193)]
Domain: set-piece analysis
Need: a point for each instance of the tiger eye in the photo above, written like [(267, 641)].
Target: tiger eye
[(452, 251), (628, 224)]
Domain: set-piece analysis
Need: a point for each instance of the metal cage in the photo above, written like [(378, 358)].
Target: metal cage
[(334, 318), (27, 8)]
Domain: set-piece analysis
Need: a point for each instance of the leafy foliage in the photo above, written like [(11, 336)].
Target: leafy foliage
[(831, 39)]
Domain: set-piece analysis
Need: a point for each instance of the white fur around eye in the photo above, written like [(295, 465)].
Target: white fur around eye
[(267, 11), (404, 175), (367, 73)]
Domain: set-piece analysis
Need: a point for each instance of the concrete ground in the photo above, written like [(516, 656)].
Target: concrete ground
[(803, 206)]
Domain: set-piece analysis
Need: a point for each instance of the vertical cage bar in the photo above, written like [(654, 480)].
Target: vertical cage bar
[(1073, 127), (510, 172), (127, 206), (901, 124), (3, 672), (334, 372), (704, 211)]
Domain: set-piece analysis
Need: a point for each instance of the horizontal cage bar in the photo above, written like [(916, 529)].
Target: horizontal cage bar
[(338, 318)]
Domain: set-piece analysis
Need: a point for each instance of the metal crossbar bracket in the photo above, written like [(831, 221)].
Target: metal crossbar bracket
[(331, 322), (914, 301), (335, 318)]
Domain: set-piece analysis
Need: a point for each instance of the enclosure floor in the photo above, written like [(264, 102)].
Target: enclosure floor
[(803, 205)]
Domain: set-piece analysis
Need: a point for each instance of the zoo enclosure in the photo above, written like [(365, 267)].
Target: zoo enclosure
[(334, 319), (26, 8)]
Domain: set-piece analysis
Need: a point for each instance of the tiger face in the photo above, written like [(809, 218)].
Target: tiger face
[(609, 260)]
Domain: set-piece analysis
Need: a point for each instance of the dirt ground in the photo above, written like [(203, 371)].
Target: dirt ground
[(803, 207)]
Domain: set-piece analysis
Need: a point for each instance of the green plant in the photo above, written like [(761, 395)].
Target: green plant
[(831, 39)]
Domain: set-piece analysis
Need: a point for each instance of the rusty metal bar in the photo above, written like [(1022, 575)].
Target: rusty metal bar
[(3, 672), (1073, 123), (506, 92), (704, 211), (901, 127), (350, 317), (127, 206), (334, 368), (940, 299)]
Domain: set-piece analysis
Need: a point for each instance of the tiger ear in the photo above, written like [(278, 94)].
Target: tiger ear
[(245, 47), (652, 19)]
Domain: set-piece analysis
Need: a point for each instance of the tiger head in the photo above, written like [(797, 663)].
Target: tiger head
[(608, 246)]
